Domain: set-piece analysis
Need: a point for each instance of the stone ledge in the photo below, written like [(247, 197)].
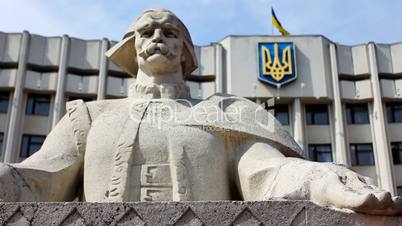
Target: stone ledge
[(287, 213)]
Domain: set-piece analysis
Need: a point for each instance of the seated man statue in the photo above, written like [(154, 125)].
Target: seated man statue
[(158, 144)]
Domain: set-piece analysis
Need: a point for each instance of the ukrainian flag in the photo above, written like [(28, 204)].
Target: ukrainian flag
[(278, 24)]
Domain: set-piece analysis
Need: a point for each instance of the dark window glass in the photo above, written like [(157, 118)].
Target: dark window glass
[(394, 112), (317, 114), (38, 105), (357, 114), (282, 113), (4, 100), (85, 99), (1, 142), (397, 152), (320, 152), (399, 191), (362, 154), (30, 144)]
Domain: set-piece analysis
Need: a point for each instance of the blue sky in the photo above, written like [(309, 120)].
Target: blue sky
[(343, 21)]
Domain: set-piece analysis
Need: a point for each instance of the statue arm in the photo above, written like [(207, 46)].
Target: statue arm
[(264, 173), (54, 172)]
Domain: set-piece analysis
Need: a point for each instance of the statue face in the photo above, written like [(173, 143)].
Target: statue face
[(159, 43)]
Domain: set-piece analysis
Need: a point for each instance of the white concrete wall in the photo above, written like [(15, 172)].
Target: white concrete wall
[(10, 44), (7, 77), (41, 81), (44, 50)]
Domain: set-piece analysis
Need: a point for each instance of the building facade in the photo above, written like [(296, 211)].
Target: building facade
[(343, 105)]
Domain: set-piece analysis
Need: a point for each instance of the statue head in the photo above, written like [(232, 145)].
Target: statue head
[(157, 41)]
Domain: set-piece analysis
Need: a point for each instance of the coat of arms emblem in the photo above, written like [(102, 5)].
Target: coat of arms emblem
[(277, 63)]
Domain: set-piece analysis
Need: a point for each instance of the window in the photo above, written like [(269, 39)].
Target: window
[(317, 114), (394, 112), (399, 190), (30, 144), (320, 152), (357, 114), (362, 154), (38, 105), (282, 113), (1, 142), (4, 99), (396, 148), (85, 99)]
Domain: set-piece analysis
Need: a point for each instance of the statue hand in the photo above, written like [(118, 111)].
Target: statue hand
[(333, 185)]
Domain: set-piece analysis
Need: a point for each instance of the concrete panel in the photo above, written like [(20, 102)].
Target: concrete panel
[(398, 87), (398, 174), (84, 54), (368, 171), (41, 81), (34, 124), (10, 47), (208, 88), (7, 77), (82, 84), (395, 132), (3, 122), (115, 86), (90, 84), (318, 134), (384, 59), (387, 88), (359, 133), (195, 90), (396, 53), (360, 60), (363, 89), (44, 51), (206, 62), (201, 90), (345, 60), (348, 90)]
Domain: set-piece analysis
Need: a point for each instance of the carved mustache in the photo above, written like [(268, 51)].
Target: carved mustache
[(152, 48)]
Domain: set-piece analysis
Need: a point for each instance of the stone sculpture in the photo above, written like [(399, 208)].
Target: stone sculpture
[(159, 144)]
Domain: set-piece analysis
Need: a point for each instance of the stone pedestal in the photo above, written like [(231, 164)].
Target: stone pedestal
[(289, 213)]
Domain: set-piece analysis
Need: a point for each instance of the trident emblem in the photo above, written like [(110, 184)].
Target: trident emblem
[(277, 63)]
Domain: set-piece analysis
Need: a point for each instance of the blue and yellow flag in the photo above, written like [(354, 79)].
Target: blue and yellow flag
[(278, 24)]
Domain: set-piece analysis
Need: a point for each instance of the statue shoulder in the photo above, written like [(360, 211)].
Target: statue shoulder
[(96, 108), (229, 102), (81, 115), (243, 115)]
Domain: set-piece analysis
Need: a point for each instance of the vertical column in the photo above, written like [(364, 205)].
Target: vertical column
[(341, 154), (218, 68), (298, 130), (16, 105), (383, 164), (103, 70), (61, 78)]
